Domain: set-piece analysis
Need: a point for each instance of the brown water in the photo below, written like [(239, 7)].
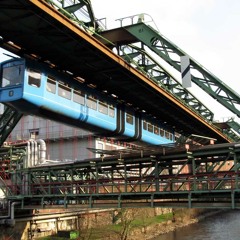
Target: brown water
[(223, 226)]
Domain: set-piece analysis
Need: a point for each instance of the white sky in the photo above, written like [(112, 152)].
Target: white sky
[(207, 30)]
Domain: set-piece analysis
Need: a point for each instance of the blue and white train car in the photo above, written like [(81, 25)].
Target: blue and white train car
[(37, 89)]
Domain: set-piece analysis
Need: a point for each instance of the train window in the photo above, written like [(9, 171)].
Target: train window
[(64, 91), (34, 78), (150, 127), (111, 111), (103, 107), (167, 134), (171, 136), (51, 84), (92, 102), (129, 118), (79, 97), (11, 75), (156, 130), (161, 132), (144, 125)]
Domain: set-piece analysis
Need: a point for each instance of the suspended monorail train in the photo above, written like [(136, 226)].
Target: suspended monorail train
[(37, 89)]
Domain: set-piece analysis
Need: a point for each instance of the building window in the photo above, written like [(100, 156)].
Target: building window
[(33, 133)]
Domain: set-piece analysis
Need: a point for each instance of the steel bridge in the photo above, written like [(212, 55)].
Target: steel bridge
[(206, 177), (52, 32)]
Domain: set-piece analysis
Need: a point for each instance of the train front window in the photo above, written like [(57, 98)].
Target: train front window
[(12, 75), (34, 78)]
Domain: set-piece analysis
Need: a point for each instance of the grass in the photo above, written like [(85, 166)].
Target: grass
[(100, 233)]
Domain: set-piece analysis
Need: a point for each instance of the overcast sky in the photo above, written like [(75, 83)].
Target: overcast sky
[(207, 30)]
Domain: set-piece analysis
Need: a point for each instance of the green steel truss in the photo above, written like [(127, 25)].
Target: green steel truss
[(144, 62), (8, 121), (79, 11), (205, 177), (171, 53)]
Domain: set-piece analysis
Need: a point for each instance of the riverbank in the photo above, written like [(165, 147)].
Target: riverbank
[(181, 220), (135, 224), (144, 227)]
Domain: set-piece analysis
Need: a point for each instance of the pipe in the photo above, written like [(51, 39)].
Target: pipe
[(9, 211), (28, 155), (35, 153), (32, 153), (12, 210), (9, 219), (42, 151)]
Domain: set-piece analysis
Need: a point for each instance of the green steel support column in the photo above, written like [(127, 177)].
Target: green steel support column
[(190, 200), (140, 176), (97, 177), (236, 170), (112, 180), (125, 178), (90, 201), (42, 202), (71, 176), (119, 201), (152, 200), (193, 171), (171, 180), (157, 176), (49, 182), (65, 201), (233, 199)]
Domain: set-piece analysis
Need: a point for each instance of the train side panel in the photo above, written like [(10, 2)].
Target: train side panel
[(33, 88)]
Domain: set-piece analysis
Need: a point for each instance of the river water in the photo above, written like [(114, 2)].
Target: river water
[(222, 226)]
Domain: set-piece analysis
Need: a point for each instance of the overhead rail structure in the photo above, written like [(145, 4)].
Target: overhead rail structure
[(8, 120), (203, 177), (138, 32), (37, 30), (231, 128)]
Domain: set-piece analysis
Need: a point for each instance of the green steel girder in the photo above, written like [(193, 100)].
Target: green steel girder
[(8, 121), (200, 76), (147, 64), (80, 11), (234, 125)]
